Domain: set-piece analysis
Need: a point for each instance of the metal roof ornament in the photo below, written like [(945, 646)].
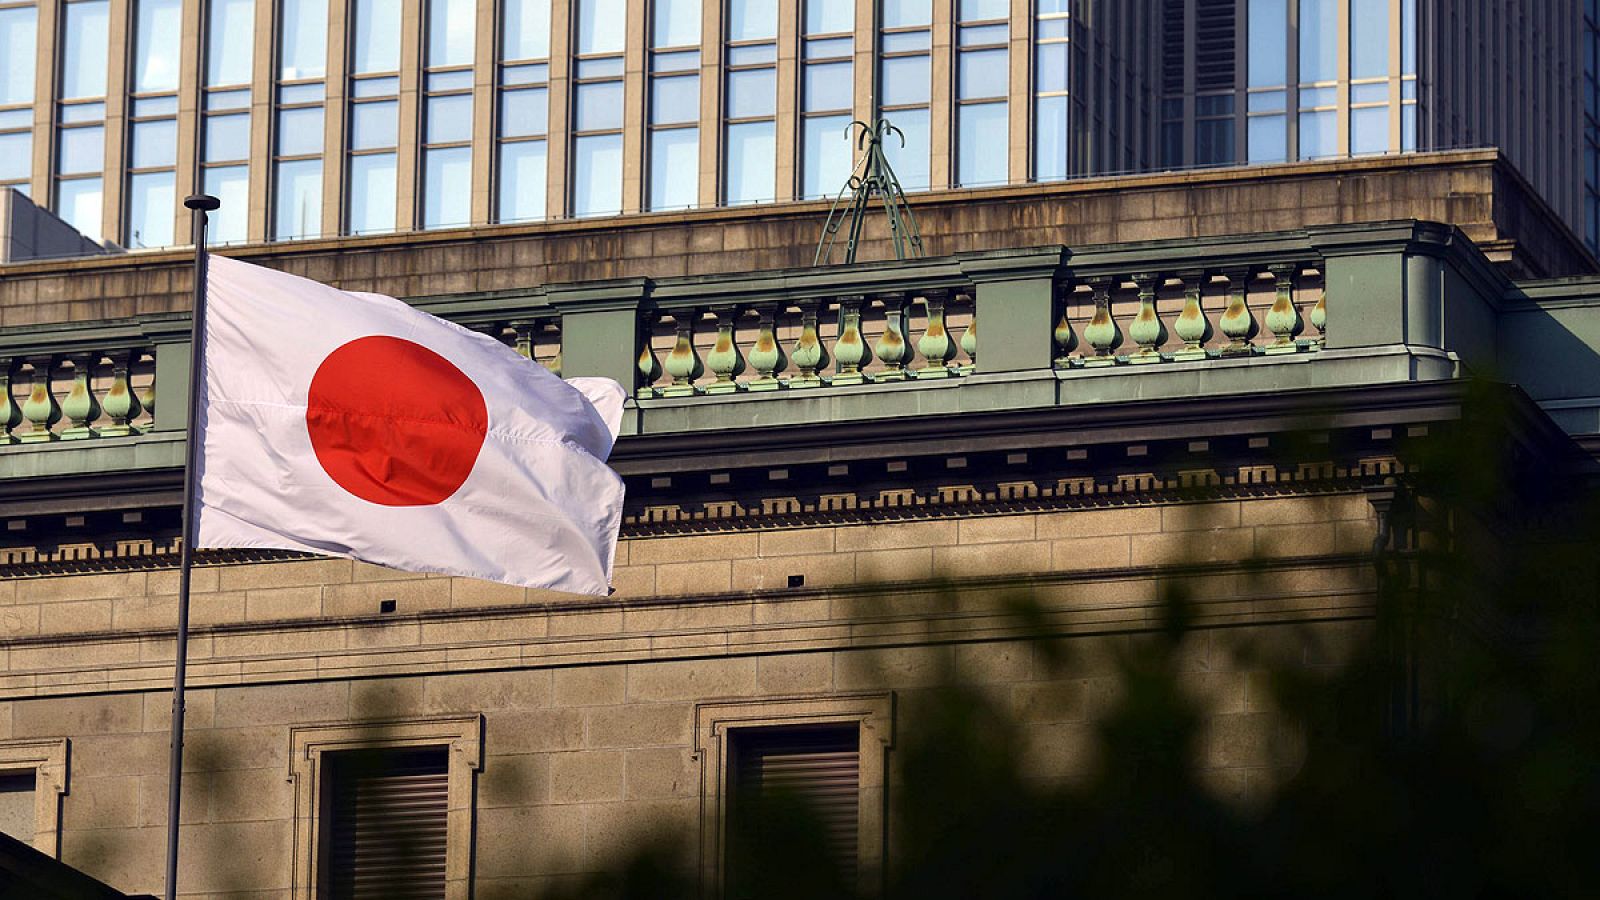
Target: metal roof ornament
[(873, 177)]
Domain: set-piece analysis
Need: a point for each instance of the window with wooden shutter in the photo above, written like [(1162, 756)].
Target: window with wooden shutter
[(387, 816), (810, 774)]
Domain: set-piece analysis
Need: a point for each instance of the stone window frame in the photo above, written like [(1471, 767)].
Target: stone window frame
[(47, 758), (462, 736), (714, 724)]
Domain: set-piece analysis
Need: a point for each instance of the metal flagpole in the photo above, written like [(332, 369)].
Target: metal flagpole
[(200, 204)]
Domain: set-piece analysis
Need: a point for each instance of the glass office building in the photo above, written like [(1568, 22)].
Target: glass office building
[(318, 118)]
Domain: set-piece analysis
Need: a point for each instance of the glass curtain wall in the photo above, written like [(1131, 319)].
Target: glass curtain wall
[(524, 110), (81, 114), (597, 108), (827, 93), (982, 85), (751, 100), (447, 114), (302, 66), (905, 46), (19, 26), (225, 127), (674, 113)]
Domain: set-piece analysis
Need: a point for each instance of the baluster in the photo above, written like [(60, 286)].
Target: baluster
[(649, 368), (935, 344), (683, 363), (147, 399), (850, 349), (40, 408), (892, 346), (1192, 326), (121, 404), (523, 338), (724, 360), (1147, 329), (81, 407), (969, 343), (1066, 340), (1102, 332), (10, 415), (1319, 318), (809, 354), (766, 357), (1283, 320), (1238, 322)]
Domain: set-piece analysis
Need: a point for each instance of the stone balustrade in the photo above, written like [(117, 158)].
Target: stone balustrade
[(1190, 315), (773, 345), (87, 393), (900, 338)]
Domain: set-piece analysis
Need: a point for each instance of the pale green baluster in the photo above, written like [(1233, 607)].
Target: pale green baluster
[(40, 408), (683, 363), (1066, 339), (810, 357), (766, 357), (1283, 320), (1238, 322), (649, 368), (1102, 332), (10, 415), (147, 399), (1319, 319), (1147, 330), (851, 348), (892, 346), (522, 340), (1192, 326), (969, 344), (81, 407), (120, 404), (935, 344), (725, 360)]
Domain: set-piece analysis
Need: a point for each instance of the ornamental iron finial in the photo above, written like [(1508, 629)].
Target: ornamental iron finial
[(873, 176)]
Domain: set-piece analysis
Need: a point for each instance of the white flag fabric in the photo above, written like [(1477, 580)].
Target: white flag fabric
[(352, 425)]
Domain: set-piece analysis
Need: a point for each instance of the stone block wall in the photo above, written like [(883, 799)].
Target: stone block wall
[(589, 708)]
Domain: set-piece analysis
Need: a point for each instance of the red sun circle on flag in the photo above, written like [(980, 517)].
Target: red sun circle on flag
[(395, 423)]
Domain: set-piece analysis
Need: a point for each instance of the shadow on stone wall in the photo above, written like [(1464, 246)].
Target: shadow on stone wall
[(1451, 750)]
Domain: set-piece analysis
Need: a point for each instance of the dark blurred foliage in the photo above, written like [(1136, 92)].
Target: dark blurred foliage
[(1453, 752)]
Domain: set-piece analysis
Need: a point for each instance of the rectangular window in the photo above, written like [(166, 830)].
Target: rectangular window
[(982, 84), (525, 30), (229, 45), (1319, 40), (1267, 41), (752, 162), (298, 203), (597, 175), (674, 168), (447, 115), (1369, 39), (155, 65), (86, 42), (827, 95), (677, 24), (78, 204), (772, 769), (303, 36), (1052, 77), (152, 209), (231, 185), (377, 37), (905, 87), (751, 102), (752, 20), (447, 184), (601, 26), (522, 181), (451, 26), (386, 815), (18, 36)]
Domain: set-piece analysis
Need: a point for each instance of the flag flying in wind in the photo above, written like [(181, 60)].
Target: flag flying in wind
[(350, 424)]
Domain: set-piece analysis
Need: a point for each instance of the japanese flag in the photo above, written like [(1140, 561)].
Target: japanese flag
[(353, 425)]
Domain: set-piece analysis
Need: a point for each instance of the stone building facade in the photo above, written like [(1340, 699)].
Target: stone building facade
[(810, 546)]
